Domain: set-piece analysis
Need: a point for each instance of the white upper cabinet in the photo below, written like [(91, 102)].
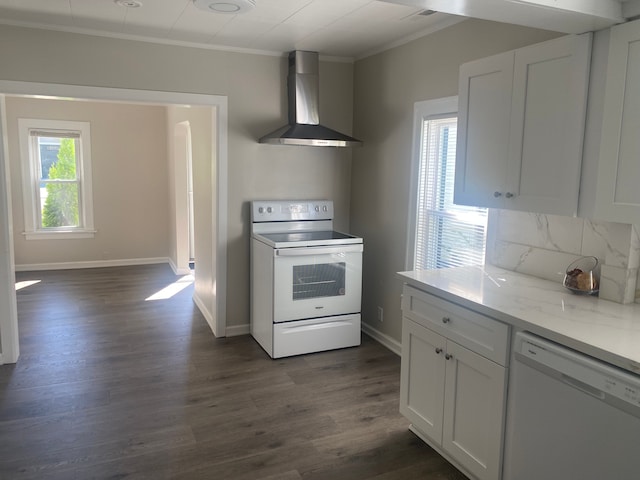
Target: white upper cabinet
[(618, 181), (484, 99), (521, 127)]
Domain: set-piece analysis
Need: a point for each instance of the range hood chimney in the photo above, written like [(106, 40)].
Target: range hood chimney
[(304, 123)]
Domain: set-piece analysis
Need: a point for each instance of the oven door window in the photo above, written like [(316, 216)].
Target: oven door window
[(315, 281), (321, 284)]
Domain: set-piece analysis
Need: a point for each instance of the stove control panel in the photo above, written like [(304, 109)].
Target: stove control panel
[(291, 210)]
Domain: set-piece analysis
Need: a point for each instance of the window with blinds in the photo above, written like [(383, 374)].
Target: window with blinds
[(446, 235)]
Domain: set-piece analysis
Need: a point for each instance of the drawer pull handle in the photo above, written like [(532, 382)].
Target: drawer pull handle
[(438, 350), (448, 356), (446, 319)]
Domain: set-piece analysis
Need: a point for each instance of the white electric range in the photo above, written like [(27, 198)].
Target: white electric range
[(306, 279)]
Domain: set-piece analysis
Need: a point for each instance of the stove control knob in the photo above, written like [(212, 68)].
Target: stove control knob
[(260, 210), (324, 208), (317, 208), (269, 210)]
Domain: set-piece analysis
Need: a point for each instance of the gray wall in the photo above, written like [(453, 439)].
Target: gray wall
[(386, 87)]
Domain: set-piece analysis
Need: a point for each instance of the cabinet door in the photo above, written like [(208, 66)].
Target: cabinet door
[(422, 378), (474, 411), (548, 109), (617, 192), (484, 97)]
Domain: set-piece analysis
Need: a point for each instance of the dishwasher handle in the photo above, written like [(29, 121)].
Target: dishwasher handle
[(583, 387)]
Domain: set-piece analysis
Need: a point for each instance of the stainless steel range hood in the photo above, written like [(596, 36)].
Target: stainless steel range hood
[(304, 123)]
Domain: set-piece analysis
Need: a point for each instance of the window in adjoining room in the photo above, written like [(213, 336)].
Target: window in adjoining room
[(56, 178)]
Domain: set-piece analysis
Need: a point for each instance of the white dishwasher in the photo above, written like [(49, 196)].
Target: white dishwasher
[(569, 416)]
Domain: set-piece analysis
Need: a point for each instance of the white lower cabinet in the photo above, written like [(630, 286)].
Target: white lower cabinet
[(454, 397), (474, 404), (422, 378)]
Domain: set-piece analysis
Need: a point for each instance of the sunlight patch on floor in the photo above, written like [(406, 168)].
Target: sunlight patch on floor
[(25, 284), (173, 289)]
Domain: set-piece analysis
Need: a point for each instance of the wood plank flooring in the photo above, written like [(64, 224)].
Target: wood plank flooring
[(110, 386)]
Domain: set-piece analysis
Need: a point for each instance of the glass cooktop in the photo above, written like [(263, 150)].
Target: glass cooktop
[(305, 236), (309, 238)]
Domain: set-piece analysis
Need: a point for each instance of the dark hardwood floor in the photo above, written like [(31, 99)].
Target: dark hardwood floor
[(110, 386)]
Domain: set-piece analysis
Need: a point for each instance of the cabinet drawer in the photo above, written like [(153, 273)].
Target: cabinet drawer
[(480, 334)]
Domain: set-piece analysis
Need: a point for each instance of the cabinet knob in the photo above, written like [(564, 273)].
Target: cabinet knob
[(497, 194), (446, 319), (508, 194), (438, 350), (448, 356)]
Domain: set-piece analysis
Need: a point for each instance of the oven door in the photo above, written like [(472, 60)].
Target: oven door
[(312, 282)]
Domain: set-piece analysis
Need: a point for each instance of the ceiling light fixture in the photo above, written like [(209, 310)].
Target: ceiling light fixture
[(129, 3), (228, 6)]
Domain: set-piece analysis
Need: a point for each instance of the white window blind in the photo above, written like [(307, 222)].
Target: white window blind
[(447, 235)]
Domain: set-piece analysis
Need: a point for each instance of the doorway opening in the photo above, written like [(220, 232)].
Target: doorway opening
[(210, 291), (182, 164)]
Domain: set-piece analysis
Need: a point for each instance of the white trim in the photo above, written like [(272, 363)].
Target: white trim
[(421, 111), (124, 262), (10, 345), (176, 270), (9, 322), (165, 41), (30, 178), (59, 234), (138, 38), (180, 164), (1, 362), (220, 226), (237, 330), (205, 313), (382, 338), (107, 94)]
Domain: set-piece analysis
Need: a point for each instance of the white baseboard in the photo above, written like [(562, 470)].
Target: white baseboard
[(176, 270), (90, 264), (382, 338), (205, 313), (1, 362), (235, 330)]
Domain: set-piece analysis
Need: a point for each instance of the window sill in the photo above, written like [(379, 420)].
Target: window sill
[(59, 234)]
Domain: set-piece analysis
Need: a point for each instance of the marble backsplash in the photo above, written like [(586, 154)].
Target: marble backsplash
[(543, 245)]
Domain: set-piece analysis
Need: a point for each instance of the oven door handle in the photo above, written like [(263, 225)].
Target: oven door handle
[(306, 251)]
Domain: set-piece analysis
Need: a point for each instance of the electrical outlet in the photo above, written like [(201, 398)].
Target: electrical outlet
[(380, 314)]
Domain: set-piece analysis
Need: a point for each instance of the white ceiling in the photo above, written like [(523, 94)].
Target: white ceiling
[(338, 28), (342, 28)]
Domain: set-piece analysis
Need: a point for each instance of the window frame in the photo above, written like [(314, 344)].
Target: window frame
[(29, 160), (423, 111)]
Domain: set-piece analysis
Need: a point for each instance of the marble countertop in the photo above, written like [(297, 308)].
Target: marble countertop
[(600, 328)]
